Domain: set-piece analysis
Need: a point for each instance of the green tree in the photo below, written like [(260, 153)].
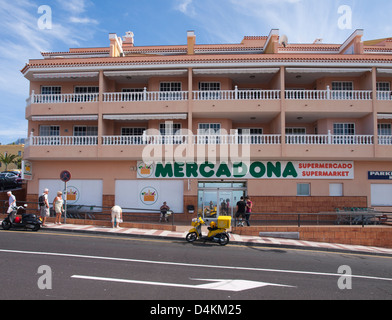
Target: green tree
[(7, 159)]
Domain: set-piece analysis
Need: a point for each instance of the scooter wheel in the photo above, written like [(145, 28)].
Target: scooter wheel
[(224, 239), (36, 228), (191, 237), (6, 225)]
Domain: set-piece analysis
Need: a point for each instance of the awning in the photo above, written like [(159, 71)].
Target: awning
[(328, 70), (384, 116), (65, 118), (138, 117), (247, 71), (74, 75), (145, 73)]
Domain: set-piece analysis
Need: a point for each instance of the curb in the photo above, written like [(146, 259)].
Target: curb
[(274, 243)]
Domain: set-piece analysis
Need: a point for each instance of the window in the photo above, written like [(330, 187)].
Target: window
[(53, 134), (170, 86), (209, 128), (86, 94), (336, 190), (209, 132), (49, 131), (86, 89), (132, 135), (132, 131), (209, 86), (295, 131), (344, 129), (384, 133), (383, 91), (132, 94), (345, 87), (170, 91), (254, 135), (342, 85), (210, 90), (170, 132), (50, 94), (86, 132), (50, 90), (344, 133), (384, 129), (303, 189)]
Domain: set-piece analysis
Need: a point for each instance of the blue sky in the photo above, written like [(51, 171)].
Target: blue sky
[(87, 23)]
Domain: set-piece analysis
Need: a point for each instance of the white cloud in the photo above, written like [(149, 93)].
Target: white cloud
[(21, 40), (186, 7)]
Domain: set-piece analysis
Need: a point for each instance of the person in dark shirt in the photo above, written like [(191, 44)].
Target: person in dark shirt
[(241, 208)]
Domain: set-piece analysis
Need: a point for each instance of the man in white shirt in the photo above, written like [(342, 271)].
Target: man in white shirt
[(45, 208), (11, 204)]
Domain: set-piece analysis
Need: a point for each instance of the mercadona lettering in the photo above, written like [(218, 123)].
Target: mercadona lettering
[(256, 170)]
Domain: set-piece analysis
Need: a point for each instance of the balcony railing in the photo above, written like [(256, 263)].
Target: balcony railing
[(359, 95), (237, 95), (330, 139), (328, 95), (234, 139), (63, 98), (62, 141), (145, 96), (385, 140)]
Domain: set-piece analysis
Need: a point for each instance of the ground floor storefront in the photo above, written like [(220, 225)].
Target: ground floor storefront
[(208, 188)]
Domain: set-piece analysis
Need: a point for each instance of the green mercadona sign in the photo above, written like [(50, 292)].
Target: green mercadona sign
[(252, 170)]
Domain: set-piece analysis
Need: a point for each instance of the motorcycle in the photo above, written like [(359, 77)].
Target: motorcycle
[(215, 234), (28, 221)]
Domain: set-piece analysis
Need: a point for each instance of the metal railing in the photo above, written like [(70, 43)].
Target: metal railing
[(352, 217)]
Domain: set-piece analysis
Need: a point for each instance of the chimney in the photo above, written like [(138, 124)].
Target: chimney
[(115, 46), (128, 39), (191, 40)]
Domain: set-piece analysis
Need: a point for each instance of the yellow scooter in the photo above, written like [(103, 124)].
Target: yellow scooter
[(217, 233)]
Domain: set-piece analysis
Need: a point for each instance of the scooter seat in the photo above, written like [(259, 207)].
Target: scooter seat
[(29, 216)]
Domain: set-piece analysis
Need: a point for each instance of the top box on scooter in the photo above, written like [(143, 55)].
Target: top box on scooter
[(224, 222)]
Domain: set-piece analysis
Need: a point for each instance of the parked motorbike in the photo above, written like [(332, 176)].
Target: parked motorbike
[(28, 221), (215, 234)]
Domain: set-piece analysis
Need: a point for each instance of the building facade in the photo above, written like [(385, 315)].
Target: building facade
[(298, 127)]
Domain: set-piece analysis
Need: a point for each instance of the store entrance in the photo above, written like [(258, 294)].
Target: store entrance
[(219, 198)]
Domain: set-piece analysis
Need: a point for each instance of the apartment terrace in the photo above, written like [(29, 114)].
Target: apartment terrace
[(236, 94)]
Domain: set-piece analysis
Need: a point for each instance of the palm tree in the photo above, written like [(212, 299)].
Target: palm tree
[(7, 159)]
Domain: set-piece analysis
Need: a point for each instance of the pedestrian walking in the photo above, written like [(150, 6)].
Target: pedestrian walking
[(58, 203), (116, 216), (241, 210), (248, 210), (44, 206)]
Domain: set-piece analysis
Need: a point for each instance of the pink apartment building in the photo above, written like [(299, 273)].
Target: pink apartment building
[(298, 127)]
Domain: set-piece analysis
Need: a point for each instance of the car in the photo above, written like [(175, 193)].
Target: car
[(8, 181)]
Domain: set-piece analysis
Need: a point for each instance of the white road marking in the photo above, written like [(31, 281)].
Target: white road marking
[(220, 285), (192, 265)]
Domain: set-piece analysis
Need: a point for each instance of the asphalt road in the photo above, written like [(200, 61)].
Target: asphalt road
[(58, 266)]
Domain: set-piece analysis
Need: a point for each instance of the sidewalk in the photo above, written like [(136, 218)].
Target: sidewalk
[(234, 238)]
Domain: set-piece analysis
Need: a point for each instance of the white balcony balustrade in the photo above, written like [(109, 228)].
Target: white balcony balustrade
[(62, 98), (330, 139), (328, 94), (62, 141), (355, 95)]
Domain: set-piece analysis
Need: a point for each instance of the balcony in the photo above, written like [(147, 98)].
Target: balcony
[(329, 139), (256, 146), (224, 95)]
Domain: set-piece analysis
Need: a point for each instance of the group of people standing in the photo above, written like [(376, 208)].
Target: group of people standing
[(58, 205), (244, 210)]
